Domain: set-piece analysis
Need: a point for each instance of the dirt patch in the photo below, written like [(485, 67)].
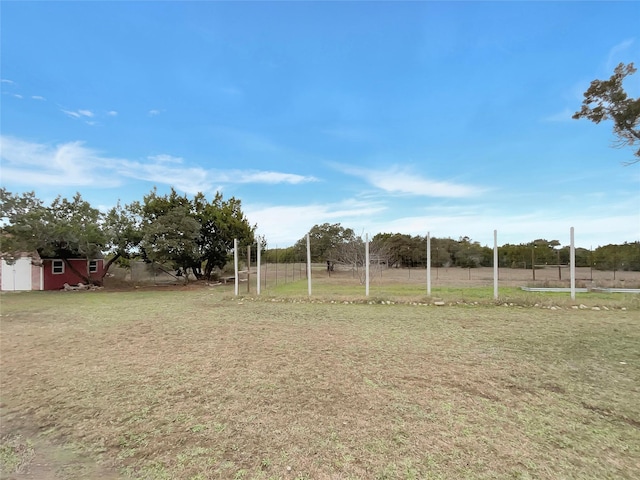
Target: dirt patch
[(31, 453), (610, 414)]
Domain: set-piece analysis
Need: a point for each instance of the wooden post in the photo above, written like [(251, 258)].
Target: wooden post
[(533, 262)]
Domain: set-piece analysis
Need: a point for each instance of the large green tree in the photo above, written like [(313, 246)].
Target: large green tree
[(607, 100), (169, 230), (221, 221), (172, 238), (194, 235), (324, 241), (399, 249)]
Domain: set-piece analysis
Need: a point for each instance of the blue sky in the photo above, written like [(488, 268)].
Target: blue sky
[(448, 117)]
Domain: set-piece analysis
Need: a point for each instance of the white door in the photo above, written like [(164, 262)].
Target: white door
[(16, 276)]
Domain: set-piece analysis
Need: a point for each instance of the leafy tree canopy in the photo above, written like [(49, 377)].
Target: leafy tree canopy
[(324, 240), (22, 227), (122, 226), (172, 229), (607, 100), (192, 234)]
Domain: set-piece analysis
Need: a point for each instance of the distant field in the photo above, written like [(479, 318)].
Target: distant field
[(192, 383), (275, 275), (451, 277), (452, 284)]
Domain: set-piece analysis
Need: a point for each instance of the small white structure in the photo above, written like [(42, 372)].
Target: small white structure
[(21, 274)]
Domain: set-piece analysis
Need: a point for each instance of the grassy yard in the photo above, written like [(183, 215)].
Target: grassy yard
[(196, 384)]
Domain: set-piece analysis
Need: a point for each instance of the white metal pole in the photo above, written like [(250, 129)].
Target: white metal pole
[(366, 259), (495, 264), (429, 263), (258, 265), (235, 264), (248, 268), (308, 265), (572, 261)]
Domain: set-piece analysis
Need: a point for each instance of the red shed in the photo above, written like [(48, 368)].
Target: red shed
[(56, 272)]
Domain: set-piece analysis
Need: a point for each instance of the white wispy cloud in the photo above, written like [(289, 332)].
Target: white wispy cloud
[(270, 177), (37, 97), (79, 113), (164, 158), (73, 163), (7, 81), (112, 113), (401, 180), (65, 164), (159, 170), (614, 54), (170, 170), (153, 112)]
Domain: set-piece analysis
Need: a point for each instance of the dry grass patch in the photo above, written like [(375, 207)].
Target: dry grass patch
[(193, 385)]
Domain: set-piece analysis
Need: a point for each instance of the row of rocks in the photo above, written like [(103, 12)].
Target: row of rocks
[(436, 303)]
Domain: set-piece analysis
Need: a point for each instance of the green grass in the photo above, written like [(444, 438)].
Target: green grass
[(199, 384), (16, 454), (325, 290)]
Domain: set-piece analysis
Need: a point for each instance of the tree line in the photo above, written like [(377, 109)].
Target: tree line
[(187, 234), (197, 235), (337, 244)]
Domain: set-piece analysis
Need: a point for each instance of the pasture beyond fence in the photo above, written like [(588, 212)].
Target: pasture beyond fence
[(555, 278), (251, 275)]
